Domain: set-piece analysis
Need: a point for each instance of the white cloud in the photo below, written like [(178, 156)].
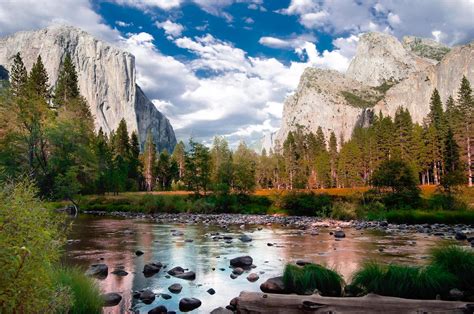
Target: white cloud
[(393, 19), (143, 4), (314, 20), (286, 43), (171, 29), (123, 24), (249, 20)]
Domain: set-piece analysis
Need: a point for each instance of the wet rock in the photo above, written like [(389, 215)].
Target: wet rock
[(339, 234), (160, 309), (245, 238), (302, 262), (221, 310), (253, 277), (165, 296), (211, 291), (189, 240), (233, 276), (189, 304), (147, 296), (98, 270), (177, 234), (241, 261), (238, 271), (111, 299), (455, 294), (461, 236), (273, 285), (269, 244), (175, 288), (383, 224), (151, 268), (120, 272), (138, 253), (180, 273)]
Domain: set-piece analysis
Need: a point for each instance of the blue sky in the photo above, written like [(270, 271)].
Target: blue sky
[(225, 67)]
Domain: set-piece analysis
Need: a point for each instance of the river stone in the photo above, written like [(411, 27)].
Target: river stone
[(98, 270), (238, 271), (160, 309), (302, 262), (138, 252), (233, 276), (273, 285), (253, 277), (165, 296), (455, 294), (339, 234), (461, 236), (189, 304), (147, 296), (111, 299), (179, 272), (245, 238), (175, 288), (151, 268), (221, 310), (211, 291), (120, 272), (241, 261)]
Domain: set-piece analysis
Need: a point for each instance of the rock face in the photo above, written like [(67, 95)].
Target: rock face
[(106, 77), (383, 76)]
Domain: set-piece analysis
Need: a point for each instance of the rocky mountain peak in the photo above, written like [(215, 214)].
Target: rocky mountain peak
[(425, 47)]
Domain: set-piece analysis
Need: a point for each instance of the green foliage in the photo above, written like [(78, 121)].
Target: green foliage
[(311, 277), (357, 101), (198, 168), (84, 291), (244, 166), (404, 281), (30, 241), (428, 216), (306, 204), (67, 87), (458, 261), (344, 211)]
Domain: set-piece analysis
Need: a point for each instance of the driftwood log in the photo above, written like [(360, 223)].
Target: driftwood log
[(258, 302)]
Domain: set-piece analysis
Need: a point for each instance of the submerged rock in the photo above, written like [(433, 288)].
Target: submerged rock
[(98, 270), (147, 296), (111, 299), (151, 268), (253, 277), (138, 253), (175, 288), (241, 261), (238, 271), (120, 272), (245, 238), (179, 272), (160, 309), (211, 291), (189, 304)]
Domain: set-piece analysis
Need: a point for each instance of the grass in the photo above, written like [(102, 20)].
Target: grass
[(404, 281), (86, 297), (304, 280), (458, 261), (427, 216)]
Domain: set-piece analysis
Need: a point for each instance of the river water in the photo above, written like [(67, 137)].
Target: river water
[(114, 241)]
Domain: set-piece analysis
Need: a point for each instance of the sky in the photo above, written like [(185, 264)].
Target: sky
[(225, 67)]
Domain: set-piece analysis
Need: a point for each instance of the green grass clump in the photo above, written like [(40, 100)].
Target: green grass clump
[(357, 101), (84, 291), (458, 261), (404, 281), (304, 280), (431, 217)]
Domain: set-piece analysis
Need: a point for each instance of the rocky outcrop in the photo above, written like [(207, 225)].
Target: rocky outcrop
[(106, 77), (383, 76)]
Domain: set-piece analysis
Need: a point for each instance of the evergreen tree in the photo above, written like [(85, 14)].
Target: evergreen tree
[(198, 167), (178, 157), (134, 170), (149, 162), (221, 160), (244, 164), (67, 86), (18, 76), (104, 163), (38, 80), (464, 127), (164, 171), (454, 172), (333, 158), (438, 128), (121, 141)]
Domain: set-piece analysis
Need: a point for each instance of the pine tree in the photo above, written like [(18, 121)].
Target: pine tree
[(104, 160), (244, 165), (67, 86), (121, 141), (164, 171), (149, 162), (18, 76), (454, 172), (465, 129), (438, 124), (38, 80), (134, 162), (221, 160), (333, 158), (198, 167), (178, 156)]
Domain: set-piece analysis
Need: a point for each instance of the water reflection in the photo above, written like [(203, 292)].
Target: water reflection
[(114, 242)]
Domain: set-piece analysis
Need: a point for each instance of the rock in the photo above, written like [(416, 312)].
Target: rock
[(179, 272), (253, 277), (233, 276), (269, 244), (245, 238), (455, 294), (241, 261), (339, 234), (111, 299), (106, 78), (221, 310), (211, 291), (98, 270), (147, 296), (273, 285), (151, 268), (165, 296), (189, 304), (175, 288), (120, 272), (460, 236), (238, 271), (160, 309), (302, 262), (138, 253), (189, 240), (383, 224)]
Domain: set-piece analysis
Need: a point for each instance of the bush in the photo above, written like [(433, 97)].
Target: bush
[(404, 281), (457, 261), (85, 293), (431, 217), (30, 241), (344, 211), (311, 277), (306, 204), (446, 202)]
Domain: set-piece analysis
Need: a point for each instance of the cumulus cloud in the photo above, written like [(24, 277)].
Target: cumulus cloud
[(143, 4), (171, 29), (286, 43), (419, 18)]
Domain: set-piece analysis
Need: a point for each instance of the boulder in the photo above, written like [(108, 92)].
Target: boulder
[(189, 304), (238, 271), (253, 277), (221, 310), (160, 309), (273, 285), (98, 270), (245, 238), (241, 261), (147, 296), (339, 234), (461, 236), (302, 262), (175, 288), (151, 268), (180, 273), (111, 299)]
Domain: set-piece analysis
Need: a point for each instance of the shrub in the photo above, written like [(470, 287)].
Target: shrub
[(457, 261), (304, 280), (30, 242), (446, 202), (431, 217), (404, 281), (84, 290), (344, 211), (306, 204)]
